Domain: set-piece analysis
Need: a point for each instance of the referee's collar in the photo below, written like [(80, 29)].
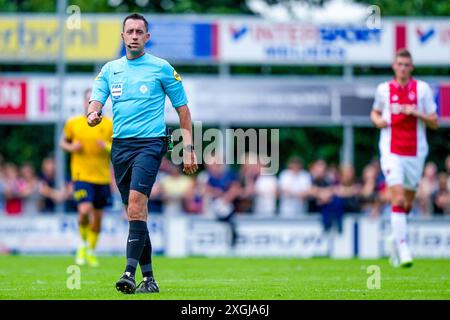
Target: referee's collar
[(143, 57)]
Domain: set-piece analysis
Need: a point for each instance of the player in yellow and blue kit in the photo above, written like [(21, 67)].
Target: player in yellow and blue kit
[(90, 171), (138, 84)]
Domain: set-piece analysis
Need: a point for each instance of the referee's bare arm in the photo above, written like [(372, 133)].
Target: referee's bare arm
[(93, 118), (189, 158)]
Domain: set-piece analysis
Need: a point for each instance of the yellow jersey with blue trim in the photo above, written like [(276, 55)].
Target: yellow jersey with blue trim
[(90, 164)]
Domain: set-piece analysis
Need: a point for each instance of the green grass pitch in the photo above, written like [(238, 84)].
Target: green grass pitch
[(36, 277)]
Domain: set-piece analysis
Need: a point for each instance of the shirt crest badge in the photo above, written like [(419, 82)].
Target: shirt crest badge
[(143, 89), (176, 76)]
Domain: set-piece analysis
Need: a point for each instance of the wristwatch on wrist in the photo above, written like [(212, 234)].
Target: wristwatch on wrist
[(188, 147)]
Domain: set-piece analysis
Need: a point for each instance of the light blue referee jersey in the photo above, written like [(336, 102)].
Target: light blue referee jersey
[(138, 91)]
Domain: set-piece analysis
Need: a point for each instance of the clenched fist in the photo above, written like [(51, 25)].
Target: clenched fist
[(93, 118)]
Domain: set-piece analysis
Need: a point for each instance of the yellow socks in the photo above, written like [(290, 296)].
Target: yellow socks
[(92, 238), (84, 229)]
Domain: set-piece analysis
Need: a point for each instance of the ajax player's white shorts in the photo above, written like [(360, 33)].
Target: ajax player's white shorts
[(402, 170)]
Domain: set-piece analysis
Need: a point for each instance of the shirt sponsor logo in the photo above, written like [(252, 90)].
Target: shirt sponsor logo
[(301, 34), (397, 108)]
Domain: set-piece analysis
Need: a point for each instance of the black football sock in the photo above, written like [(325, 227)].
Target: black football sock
[(146, 259), (135, 243)]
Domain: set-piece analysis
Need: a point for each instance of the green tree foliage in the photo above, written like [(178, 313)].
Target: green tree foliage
[(30, 143), (439, 141), (366, 147), (153, 6), (411, 8), (27, 6), (388, 7), (311, 144)]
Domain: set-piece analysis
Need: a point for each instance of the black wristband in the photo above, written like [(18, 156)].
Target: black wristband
[(98, 113)]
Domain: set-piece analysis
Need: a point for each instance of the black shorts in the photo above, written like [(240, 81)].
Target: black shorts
[(98, 194), (136, 162)]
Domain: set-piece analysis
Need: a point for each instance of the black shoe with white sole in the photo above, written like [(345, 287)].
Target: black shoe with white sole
[(126, 284), (147, 285)]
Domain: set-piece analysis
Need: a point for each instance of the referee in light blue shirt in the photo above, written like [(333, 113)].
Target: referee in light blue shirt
[(138, 84)]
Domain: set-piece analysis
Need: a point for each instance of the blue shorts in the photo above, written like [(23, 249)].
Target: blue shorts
[(98, 194), (136, 162)]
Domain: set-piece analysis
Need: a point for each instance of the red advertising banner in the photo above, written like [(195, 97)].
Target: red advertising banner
[(444, 100), (13, 98)]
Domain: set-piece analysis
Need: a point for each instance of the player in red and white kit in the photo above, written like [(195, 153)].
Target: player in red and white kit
[(402, 109)]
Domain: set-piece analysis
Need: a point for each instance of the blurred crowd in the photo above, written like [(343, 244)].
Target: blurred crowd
[(24, 191), (222, 190)]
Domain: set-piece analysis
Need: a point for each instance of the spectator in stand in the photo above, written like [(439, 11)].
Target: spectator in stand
[(370, 200), (319, 182), (11, 191), (294, 184), (221, 184), (24, 193), (266, 189), (428, 185), (348, 191), (50, 194), (441, 197), (447, 167), (222, 187), (333, 174), (324, 199), (29, 190), (70, 204), (248, 174), (202, 185), (175, 187), (193, 200)]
